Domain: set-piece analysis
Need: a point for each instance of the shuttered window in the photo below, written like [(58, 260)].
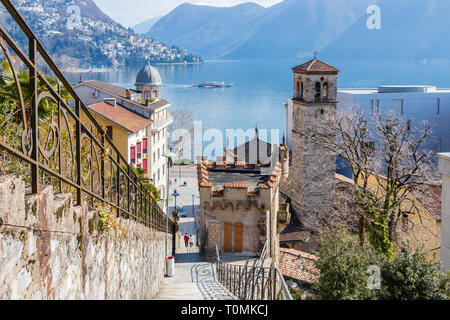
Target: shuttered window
[(144, 146), (144, 164), (133, 154), (139, 151)]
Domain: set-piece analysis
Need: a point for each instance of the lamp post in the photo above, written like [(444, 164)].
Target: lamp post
[(169, 156), (175, 194)]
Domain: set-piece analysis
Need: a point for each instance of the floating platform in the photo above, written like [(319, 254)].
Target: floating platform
[(212, 85)]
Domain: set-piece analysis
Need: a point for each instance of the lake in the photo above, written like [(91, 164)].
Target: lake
[(260, 88)]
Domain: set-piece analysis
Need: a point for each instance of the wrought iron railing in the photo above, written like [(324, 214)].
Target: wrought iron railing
[(49, 136), (252, 282)]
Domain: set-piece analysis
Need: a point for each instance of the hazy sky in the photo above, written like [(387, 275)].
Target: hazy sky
[(131, 12)]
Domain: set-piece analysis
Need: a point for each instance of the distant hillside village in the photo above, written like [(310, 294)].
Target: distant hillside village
[(86, 38)]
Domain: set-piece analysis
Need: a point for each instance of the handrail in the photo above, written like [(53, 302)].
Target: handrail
[(89, 162), (252, 283)]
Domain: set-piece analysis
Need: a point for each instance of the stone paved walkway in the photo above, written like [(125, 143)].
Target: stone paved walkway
[(194, 280)]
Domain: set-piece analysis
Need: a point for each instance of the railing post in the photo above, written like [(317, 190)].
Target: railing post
[(78, 149), (34, 118), (59, 140), (118, 185)]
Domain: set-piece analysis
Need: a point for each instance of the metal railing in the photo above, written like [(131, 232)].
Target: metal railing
[(50, 137), (255, 282)]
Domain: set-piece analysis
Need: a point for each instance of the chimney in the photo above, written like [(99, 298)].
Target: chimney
[(110, 101), (147, 103), (81, 79), (128, 94)]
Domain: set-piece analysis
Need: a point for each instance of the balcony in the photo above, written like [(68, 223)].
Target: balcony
[(160, 124)]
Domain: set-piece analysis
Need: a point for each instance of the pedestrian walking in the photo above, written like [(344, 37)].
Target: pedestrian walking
[(191, 240), (186, 241)]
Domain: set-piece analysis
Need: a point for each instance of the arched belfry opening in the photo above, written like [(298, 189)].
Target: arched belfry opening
[(325, 91), (318, 91)]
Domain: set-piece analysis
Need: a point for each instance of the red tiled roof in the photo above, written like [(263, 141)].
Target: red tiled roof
[(315, 66), (236, 185), (298, 265), (121, 116)]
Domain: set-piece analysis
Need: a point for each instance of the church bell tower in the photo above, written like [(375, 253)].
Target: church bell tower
[(314, 167)]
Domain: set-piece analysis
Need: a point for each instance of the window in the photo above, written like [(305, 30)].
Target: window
[(301, 91), (325, 91), (144, 146), (318, 91), (438, 106), (144, 164), (159, 154), (154, 157), (133, 154), (158, 136), (139, 150), (164, 169), (154, 139), (159, 176), (378, 106), (371, 107), (138, 165), (154, 178), (109, 132)]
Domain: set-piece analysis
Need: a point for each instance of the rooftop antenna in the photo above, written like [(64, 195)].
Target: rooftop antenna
[(284, 139), (315, 54), (256, 131)]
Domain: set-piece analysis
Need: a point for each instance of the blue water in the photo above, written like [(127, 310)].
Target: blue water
[(260, 88)]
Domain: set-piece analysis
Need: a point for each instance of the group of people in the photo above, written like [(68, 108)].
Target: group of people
[(189, 241)]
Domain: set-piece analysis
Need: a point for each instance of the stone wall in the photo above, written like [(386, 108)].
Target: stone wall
[(50, 249)]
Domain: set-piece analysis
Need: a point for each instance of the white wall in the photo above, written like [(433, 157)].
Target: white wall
[(444, 168)]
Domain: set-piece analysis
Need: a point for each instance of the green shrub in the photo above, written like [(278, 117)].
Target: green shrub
[(343, 264)]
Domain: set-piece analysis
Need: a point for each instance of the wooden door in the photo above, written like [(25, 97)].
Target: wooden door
[(238, 237), (228, 237)]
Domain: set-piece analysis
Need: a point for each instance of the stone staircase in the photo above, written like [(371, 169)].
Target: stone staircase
[(194, 280)]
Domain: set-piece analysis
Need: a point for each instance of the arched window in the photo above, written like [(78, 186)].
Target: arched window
[(325, 91), (318, 92), (298, 94)]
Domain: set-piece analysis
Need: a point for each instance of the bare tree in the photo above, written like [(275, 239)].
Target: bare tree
[(182, 130), (389, 163)]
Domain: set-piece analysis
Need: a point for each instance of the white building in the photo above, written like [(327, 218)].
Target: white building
[(140, 119), (414, 102)]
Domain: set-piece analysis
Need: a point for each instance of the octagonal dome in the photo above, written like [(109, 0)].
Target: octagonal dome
[(148, 76)]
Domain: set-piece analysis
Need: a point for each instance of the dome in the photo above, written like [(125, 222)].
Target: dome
[(148, 76)]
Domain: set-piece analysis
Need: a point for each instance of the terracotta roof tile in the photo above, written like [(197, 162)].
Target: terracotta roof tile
[(121, 116), (298, 265), (315, 66), (236, 185)]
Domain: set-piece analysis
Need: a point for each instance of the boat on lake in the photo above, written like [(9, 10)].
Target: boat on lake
[(213, 85)]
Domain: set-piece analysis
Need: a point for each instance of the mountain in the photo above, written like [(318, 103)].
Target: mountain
[(214, 31), (297, 28), (292, 28), (410, 30), (146, 25), (88, 40)]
